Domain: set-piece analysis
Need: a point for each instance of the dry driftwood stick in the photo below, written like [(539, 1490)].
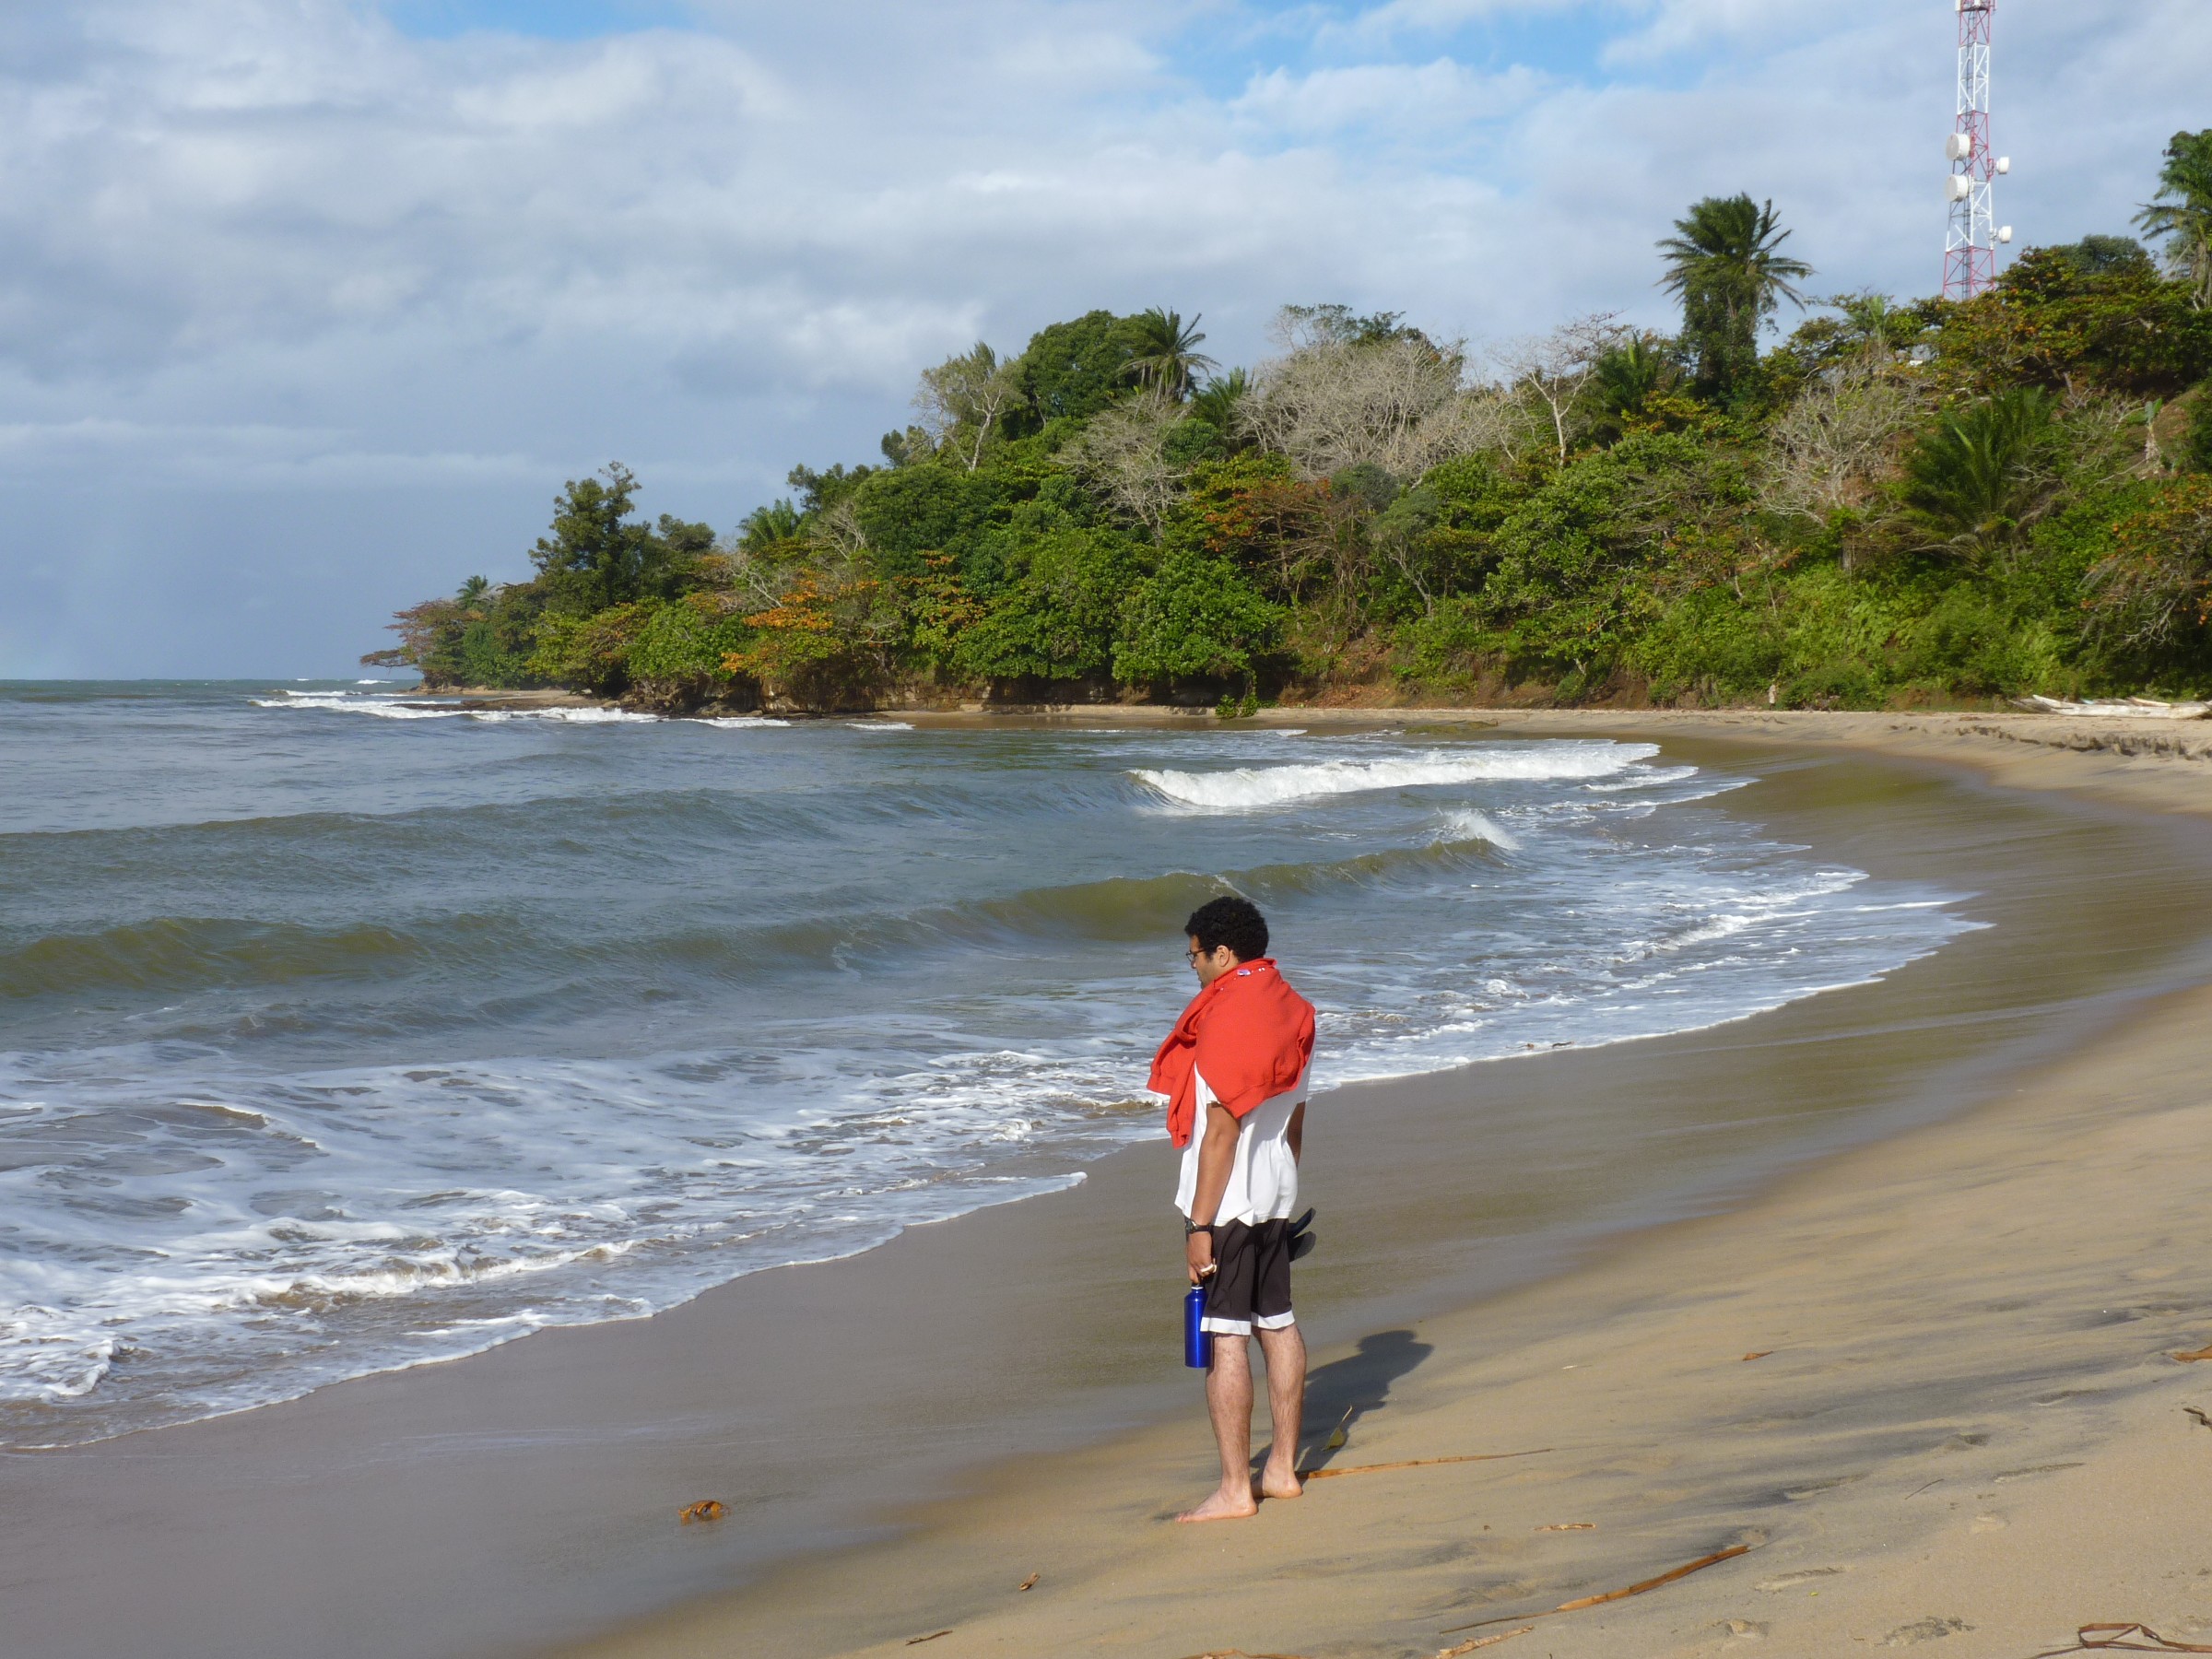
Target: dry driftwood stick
[(2132, 1638), (2202, 1353), (1418, 1463), (1581, 1602), (918, 1641), (1482, 1641)]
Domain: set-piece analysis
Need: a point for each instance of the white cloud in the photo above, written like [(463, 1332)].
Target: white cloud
[(253, 250), (1439, 96)]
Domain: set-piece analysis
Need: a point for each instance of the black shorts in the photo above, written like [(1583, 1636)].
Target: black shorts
[(1251, 1285)]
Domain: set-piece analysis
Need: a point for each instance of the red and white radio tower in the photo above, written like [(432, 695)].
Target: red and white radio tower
[(1969, 250)]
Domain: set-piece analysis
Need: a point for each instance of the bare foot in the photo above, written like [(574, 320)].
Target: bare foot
[(1224, 1506), (1272, 1485)]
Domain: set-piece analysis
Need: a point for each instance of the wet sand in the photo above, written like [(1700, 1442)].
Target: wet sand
[(1022, 1356)]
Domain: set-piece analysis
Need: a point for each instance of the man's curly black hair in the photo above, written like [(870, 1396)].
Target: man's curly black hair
[(1230, 921)]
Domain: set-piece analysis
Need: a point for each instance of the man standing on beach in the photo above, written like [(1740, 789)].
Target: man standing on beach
[(1234, 1072)]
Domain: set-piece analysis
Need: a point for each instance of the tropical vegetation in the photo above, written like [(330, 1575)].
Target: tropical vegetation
[(1896, 503)]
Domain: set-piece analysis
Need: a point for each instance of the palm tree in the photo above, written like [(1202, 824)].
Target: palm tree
[(1630, 375), (1982, 476), (1874, 321), (1726, 265), (763, 527), (1215, 402), (2182, 212), (1167, 351)]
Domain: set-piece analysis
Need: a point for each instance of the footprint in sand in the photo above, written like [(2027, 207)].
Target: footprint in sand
[(1924, 1630), (1790, 1581)]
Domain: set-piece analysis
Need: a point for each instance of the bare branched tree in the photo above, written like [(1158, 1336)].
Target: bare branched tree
[(1553, 374), (1830, 447), (839, 532), (1398, 402), (1122, 455), (960, 400)]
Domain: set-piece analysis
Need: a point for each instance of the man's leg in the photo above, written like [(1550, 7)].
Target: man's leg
[(1286, 1351), (1229, 1402)]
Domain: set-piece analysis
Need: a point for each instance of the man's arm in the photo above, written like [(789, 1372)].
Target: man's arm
[(1296, 1134), (1216, 1158)]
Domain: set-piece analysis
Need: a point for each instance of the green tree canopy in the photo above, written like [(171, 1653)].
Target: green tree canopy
[(1074, 370), (2055, 321), (1195, 618), (597, 555), (1055, 619)]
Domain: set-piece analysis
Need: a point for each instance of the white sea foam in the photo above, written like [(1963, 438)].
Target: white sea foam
[(343, 703), (568, 716), (1468, 825), (1648, 777), (740, 722), (1248, 788)]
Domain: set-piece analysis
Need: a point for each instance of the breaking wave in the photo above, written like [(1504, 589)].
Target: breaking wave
[(1251, 788)]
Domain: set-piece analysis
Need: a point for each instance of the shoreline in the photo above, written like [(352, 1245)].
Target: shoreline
[(1009, 1519), (1953, 1461), (572, 1375)]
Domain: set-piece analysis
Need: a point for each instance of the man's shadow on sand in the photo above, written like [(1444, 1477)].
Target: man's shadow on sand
[(1343, 1391)]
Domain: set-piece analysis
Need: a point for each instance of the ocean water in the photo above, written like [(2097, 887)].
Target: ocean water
[(342, 1031)]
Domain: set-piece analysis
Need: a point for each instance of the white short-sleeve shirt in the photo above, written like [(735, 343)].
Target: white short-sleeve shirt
[(1263, 1182)]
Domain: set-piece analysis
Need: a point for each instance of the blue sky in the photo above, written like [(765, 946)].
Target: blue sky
[(539, 20), (307, 307)]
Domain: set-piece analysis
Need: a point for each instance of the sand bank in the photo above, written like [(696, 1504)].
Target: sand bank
[(508, 1502)]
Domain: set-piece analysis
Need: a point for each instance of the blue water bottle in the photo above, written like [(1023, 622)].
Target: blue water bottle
[(1197, 1341)]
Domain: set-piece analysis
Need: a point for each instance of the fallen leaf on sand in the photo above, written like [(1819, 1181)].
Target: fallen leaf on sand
[(1581, 1602), (706, 1509), (2134, 1638), (1482, 1641), (2202, 1353), (918, 1641), (1570, 1526), (1417, 1463), (1757, 1354), (1029, 1582)]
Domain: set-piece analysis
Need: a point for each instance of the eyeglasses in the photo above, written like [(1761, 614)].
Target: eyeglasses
[(1195, 957)]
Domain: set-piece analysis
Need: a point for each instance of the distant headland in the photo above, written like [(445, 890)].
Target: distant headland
[(1926, 503)]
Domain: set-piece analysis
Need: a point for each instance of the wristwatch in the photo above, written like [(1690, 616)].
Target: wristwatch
[(1190, 1226)]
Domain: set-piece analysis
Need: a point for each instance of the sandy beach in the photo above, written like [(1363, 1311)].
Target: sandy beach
[(1958, 1215), (1929, 1389)]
